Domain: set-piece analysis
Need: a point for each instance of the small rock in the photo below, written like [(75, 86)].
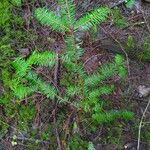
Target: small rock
[(143, 91)]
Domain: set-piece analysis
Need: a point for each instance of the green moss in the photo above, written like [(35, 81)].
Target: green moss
[(118, 18), (145, 54), (147, 135), (114, 135), (76, 142), (26, 114), (5, 13), (17, 2)]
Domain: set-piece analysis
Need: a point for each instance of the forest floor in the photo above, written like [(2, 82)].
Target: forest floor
[(101, 47)]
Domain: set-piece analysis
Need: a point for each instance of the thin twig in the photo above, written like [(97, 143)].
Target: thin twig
[(89, 59), (30, 139), (56, 132), (140, 125), (56, 81), (56, 71)]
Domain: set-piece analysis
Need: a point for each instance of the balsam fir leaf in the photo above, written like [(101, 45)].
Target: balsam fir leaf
[(21, 66), (43, 87), (93, 18), (112, 116), (47, 17), (72, 91), (105, 72), (42, 59), (22, 91), (47, 89), (68, 12), (106, 117)]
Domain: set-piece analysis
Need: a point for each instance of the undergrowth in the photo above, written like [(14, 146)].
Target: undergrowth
[(88, 87), (86, 93)]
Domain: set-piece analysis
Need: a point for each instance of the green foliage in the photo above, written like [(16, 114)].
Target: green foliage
[(106, 71), (17, 2), (111, 116), (118, 18), (42, 59), (91, 146), (130, 3), (76, 142), (67, 12), (96, 82), (145, 54), (25, 81), (90, 88), (7, 33), (26, 115), (6, 17), (65, 21), (93, 18), (5, 14), (6, 53), (147, 134), (49, 18), (122, 71), (86, 91), (131, 42), (5, 50)]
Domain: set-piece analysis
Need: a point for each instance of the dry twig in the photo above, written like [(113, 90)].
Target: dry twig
[(56, 81), (140, 125)]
